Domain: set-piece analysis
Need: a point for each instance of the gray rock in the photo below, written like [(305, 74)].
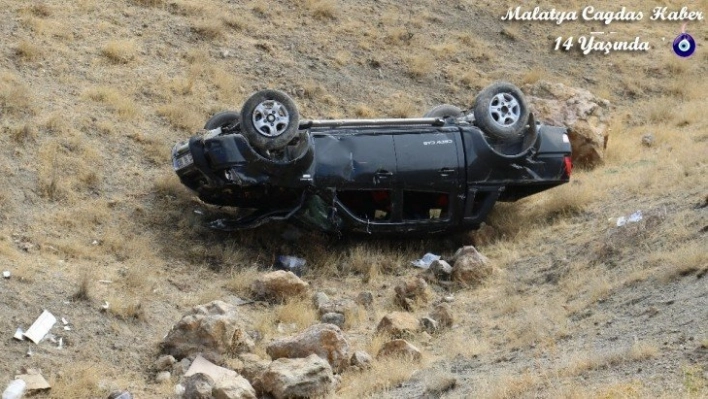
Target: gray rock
[(365, 299), (320, 299), (198, 386), (252, 366), (325, 340), (297, 378), (470, 267), (428, 324), (333, 318), (443, 315), (361, 359), (235, 387), (441, 269), (181, 367), (164, 363), (163, 376)]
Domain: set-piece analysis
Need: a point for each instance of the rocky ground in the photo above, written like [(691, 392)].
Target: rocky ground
[(557, 300)]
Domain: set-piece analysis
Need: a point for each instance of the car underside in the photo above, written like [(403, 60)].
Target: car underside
[(439, 173)]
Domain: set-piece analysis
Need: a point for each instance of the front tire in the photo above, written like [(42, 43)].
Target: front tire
[(269, 120), (501, 111)]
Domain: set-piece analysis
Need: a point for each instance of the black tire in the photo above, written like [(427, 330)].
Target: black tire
[(444, 111), (265, 134), (501, 111), (222, 119)]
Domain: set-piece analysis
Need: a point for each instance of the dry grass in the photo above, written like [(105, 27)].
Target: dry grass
[(120, 51), (385, 374), (28, 51), (208, 30), (15, 98), (120, 103), (297, 311), (322, 9)]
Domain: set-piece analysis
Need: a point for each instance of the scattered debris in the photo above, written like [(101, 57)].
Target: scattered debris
[(120, 395), (41, 327), (64, 321), (105, 306), (34, 381), (19, 334), (60, 344), (633, 218), (14, 390), (290, 264), (6, 274), (425, 261)]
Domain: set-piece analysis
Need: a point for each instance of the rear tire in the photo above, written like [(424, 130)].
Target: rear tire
[(222, 119), (501, 111), (444, 111)]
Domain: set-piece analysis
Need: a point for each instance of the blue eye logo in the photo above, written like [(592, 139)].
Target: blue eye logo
[(684, 45)]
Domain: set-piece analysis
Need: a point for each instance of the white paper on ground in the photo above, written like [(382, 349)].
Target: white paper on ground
[(41, 327), (217, 373)]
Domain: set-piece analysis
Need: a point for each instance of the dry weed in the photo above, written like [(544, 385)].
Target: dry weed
[(322, 9), (120, 51), (28, 51)]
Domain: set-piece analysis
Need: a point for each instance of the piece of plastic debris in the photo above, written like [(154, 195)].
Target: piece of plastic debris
[(60, 345), (34, 380), (6, 274), (51, 338), (19, 334), (14, 390), (633, 218), (198, 212), (121, 395), (290, 263), (41, 327), (105, 306), (425, 261), (67, 328), (29, 352), (94, 242), (64, 321)]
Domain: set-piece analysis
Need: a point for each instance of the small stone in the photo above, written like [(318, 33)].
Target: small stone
[(325, 340), (648, 140), (198, 386), (320, 299), (441, 269), (443, 315), (428, 324), (297, 378), (333, 318), (278, 286), (361, 359), (365, 299), (411, 290), (164, 363), (181, 367), (163, 376)]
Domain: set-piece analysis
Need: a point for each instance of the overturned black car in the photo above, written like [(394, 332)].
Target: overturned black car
[(438, 173)]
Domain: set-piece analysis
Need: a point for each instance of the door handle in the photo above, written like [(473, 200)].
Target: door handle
[(384, 173), (447, 172)]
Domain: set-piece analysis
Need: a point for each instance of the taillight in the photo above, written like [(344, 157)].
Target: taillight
[(568, 162)]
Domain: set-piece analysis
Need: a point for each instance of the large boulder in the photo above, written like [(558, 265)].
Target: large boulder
[(297, 378), (214, 329), (278, 286), (470, 267), (325, 340), (398, 324), (586, 116)]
